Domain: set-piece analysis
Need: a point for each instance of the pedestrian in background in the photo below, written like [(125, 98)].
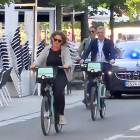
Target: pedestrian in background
[(120, 38)]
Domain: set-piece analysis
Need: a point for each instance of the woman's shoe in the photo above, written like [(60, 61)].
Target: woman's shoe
[(62, 120)]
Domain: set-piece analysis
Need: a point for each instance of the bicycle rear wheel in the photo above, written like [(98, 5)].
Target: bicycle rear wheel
[(57, 126), (45, 117), (102, 102), (93, 103)]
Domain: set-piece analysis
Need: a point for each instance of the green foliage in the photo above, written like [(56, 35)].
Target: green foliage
[(21, 25), (118, 5), (45, 25), (78, 5), (65, 3), (66, 25), (77, 25), (133, 6), (3, 2), (130, 6), (97, 24), (126, 24)]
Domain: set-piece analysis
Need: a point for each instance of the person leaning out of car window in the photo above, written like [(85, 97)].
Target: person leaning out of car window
[(57, 54)]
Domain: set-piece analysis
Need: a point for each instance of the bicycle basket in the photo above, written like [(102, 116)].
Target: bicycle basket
[(47, 72), (96, 66)]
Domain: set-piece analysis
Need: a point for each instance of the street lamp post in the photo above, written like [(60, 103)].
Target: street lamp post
[(35, 30), (73, 23)]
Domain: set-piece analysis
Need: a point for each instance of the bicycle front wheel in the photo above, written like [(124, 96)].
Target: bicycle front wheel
[(57, 126), (102, 102), (45, 117), (93, 103), (87, 102)]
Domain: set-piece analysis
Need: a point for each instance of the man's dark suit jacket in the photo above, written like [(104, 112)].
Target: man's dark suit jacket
[(108, 50)]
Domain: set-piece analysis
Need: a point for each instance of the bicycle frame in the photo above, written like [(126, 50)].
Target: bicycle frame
[(46, 75), (51, 99), (98, 80)]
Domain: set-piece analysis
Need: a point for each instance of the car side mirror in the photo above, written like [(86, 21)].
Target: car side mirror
[(118, 53)]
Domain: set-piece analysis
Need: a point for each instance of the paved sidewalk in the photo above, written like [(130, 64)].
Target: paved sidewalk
[(31, 104)]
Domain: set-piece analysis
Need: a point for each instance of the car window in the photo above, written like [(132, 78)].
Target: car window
[(130, 49)]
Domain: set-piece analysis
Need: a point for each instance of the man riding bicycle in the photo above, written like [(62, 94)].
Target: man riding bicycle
[(85, 43), (102, 50)]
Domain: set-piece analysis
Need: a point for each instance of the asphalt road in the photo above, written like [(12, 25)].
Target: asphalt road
[(121, 116)]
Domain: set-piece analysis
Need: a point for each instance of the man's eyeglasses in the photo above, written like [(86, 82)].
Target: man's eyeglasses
[(92, 32), (57, 40), (100, 32)]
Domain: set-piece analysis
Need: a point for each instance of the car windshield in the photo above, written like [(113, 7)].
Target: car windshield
[(130, 49)]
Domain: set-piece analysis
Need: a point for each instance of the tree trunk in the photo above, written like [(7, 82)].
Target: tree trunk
[(73, 23), (137, 18), (112, 21), (58, 17)]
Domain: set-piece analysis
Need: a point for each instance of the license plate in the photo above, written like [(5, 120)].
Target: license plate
[(132, 84)]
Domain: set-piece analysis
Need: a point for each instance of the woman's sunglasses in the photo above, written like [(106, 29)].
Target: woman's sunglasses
[(57, 40)]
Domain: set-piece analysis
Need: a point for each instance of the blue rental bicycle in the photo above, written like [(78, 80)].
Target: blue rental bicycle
[(98, 100), (83, 68), (48, 114)]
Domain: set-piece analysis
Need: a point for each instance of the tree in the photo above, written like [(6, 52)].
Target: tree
[(113, 6), (133, 6), (128, 7), (116, 6), (3, 2), (64, 3)]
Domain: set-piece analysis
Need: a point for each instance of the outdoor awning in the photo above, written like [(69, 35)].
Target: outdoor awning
[(103, 15)]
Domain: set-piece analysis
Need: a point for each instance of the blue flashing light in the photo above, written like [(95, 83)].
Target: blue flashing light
[(135, 55)]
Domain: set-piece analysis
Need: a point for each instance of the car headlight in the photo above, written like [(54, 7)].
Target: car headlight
[(110, 72), (42, 77)]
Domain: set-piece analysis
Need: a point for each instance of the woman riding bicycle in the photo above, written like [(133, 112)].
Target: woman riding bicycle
[(57, 54)]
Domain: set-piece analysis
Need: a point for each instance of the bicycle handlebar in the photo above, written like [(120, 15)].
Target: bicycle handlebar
[(61, 67)]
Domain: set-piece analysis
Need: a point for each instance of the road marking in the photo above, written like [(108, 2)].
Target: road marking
[(74, 105), (135, 128), (32, 116), (19, 119), (131, 137), (115, 137)]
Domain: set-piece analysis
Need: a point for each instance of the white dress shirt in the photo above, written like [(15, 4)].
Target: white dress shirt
[(100, 55), (89, 56)]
